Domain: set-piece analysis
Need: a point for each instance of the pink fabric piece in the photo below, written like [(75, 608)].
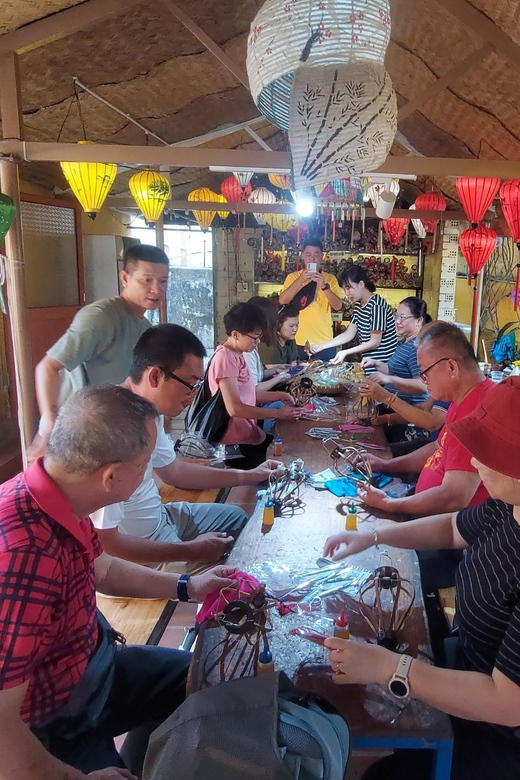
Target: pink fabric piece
[(226, 364), (345, 428), (215, 602)]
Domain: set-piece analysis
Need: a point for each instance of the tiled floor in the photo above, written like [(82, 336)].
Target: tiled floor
[(180, 622)]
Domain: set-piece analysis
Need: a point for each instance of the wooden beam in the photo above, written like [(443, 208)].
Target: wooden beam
[(452, 75), (11, 114), (235, 159), (484, 27), (61, 24), (206, 41)]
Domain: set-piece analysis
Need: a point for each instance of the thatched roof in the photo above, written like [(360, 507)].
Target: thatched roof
[(145, 62)]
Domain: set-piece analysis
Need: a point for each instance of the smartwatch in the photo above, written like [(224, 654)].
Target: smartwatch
[(398, 684), (182, 587), (325, 287)]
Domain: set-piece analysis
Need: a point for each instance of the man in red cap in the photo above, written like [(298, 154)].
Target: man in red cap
[(482, 692)]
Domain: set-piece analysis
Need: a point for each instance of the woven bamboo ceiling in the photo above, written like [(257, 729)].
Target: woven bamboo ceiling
[(144, 61)]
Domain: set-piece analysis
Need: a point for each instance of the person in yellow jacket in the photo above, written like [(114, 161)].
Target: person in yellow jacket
[(315, 294)]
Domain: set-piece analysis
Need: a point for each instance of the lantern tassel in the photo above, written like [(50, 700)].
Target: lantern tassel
[(392, 272), (475, 302)]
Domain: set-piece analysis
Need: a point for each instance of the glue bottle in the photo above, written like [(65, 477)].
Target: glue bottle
[(307, 347), (277, 447), (351, 518), (265, 664), (341, 627), (268, 516)]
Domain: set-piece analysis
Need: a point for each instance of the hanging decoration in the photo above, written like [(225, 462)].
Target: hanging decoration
[(395, 229), (286, 33), (90, 182), (430, 201), (376, 188), (477, 245), (7, 215), (204, 218), (282, 222), (418, 225), (510, 202), (233, 192), (476, 196), (243, 177), (280, 180), (343, 120), (150, 191), (221, 199), (324, 190), (265, 197), (348, 189)]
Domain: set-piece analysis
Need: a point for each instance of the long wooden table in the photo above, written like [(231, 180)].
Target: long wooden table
[(296, 542)]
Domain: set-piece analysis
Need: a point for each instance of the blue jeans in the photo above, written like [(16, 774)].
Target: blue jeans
[(149, 684), (325, 354), (269, 426)]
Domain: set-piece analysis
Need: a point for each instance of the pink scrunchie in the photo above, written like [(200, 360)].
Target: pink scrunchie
[(214, 602)]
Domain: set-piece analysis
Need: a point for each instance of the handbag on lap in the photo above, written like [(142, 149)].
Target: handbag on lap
[(250, 728), (207, 415)]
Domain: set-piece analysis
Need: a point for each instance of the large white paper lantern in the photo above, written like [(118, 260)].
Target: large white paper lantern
[(264, 196), (343, 121), (288, 33), (418, 225)]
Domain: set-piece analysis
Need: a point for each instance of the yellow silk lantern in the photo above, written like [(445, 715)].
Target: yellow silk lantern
[(150, 191), (221, 199), (282, 222), (204, 218), (280, 180), (90, 182)]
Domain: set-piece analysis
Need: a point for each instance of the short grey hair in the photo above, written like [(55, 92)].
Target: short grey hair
[(100, 425), (448, 338)]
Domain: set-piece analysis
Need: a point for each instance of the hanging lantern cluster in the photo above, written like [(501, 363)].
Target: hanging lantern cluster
[(316, 69), (204, 218), (233, 191), (510, 202), (243, 177), (261, 196), (151, 191), (90, 182), (221, 199)]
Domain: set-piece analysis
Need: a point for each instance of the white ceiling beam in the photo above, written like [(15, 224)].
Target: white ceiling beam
[(220, 132), (260, 141)]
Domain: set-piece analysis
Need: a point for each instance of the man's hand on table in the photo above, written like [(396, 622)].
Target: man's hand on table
[(209, 547), (201, 585), (360, 663), (112, 773), (347, 543), (263, 472)]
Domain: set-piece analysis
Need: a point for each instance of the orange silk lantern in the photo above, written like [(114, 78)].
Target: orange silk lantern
[(430, 201), (476, 195), (477, 245)]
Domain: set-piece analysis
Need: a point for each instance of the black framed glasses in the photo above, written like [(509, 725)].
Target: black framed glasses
[(191, 388), (424, 373), (254, 338)]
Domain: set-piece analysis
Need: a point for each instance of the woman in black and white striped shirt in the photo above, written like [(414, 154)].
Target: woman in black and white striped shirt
[(373, 321), (483, 692)]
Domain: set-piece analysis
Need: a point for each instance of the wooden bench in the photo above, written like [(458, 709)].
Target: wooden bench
[(447, 598), (143, 621)]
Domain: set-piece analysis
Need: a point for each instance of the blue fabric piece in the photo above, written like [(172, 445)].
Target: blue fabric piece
[(341, 487)]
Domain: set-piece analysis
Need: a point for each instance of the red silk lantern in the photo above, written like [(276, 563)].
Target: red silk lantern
[(476, 195), (477, 244), (234, 192), (510, 202), (430, 201), (395, 228)]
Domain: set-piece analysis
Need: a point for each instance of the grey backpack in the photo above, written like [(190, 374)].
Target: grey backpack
[(247, 729)]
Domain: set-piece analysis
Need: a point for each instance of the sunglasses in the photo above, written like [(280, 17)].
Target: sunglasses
[(191, 388)]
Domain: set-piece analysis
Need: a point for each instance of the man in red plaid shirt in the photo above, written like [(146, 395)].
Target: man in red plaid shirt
[(66, 689)]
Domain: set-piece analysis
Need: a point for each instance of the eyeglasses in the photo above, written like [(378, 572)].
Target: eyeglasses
[(424, 373), (401, 317), (191, 388), (256, 339)]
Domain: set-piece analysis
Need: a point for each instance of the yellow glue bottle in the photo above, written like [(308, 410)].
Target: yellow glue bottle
[(341, 627), (351, 518), (277, 447), (268, 516), (265, 664)]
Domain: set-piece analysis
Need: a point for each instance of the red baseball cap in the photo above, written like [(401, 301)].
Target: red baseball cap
[(492, 431)]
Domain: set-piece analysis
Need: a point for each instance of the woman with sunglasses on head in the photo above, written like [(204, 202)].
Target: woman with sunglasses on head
[(373, 322), (481, 689), (228, 371)]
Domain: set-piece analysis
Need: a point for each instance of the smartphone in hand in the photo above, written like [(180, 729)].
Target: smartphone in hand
[(312, 268)]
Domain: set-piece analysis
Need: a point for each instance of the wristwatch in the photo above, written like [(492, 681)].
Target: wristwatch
[(326, 287), (398, 684), (182, 587)]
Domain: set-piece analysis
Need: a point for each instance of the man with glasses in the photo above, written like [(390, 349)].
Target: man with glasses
[(447, 479), (167, 369)]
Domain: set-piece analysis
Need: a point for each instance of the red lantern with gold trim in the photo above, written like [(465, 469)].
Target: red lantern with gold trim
[(430, 201), (510, 201), (477, 245), (476, 195)]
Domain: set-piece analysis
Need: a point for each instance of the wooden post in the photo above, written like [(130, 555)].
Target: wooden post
[(159, 240), (12, 127), (475, 326)]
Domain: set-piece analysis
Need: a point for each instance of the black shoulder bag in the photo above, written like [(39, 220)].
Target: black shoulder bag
[(207, 414)]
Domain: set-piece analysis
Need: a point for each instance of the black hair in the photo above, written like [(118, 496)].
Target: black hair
[(417, 308), (449, 339), (244, 318), (286, 312), (355, 274), (144, 253), (166, 346), (312, 241), (269, 308)]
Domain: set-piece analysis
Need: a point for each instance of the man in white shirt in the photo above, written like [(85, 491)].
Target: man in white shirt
[(167, 369)]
